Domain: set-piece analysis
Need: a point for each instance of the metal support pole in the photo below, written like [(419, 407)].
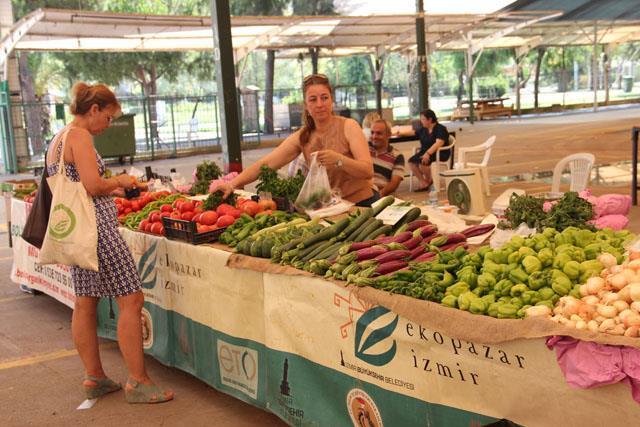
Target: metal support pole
[(423, 72), (378, 85), (594, 66), (634, 165), (470, 82), (173, 128), (225, 80), (606, 68), (518, 67)]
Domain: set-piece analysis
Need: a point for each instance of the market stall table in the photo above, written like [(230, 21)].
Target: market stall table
[(317, 352)]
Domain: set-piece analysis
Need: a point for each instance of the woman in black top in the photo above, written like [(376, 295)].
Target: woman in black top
[(432, 136)]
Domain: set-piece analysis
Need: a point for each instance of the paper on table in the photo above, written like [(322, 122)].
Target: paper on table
[(87, 404), (477, 240)]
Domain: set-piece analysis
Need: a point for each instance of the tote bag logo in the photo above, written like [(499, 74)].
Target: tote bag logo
[(62, 221), (364, 344), (362, 409), (147, 267)]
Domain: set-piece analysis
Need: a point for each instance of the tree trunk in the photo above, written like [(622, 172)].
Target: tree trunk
[(268, 91), (32, 107), (536, 82), (314, 52), (460, 87)]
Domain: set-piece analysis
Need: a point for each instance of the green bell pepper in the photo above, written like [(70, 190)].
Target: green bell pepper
[(507, 311), (592, 250), (516, 301), (518, 275), (560, 283), (492, 268), (503, 287), (530, 297), (464, 300), (518, 290), (450, 301), (545, 255), (484, 250), (514, 257), (478, 306), (537, 280), (572, 270), (486, 280), (489, 299), (457, 289), (516, 242), (531, 264), (546, 293), (561, 259), (521, 312), (546, 302), (493, 309), (549, 232)]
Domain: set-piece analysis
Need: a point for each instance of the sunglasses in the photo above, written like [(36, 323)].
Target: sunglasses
[(311, 77)]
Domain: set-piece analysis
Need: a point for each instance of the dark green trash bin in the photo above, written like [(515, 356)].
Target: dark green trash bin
[(119, 140), (627, 83)]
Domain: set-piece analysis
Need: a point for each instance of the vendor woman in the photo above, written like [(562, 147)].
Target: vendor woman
[(339, 143)]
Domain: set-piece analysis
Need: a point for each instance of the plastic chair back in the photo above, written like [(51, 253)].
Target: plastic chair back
[(580, 165)]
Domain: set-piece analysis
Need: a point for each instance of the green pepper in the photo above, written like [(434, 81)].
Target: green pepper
[(572, 270), (518, 290), (546, 302), (592, 250), (492, 268), (592, 265), (464, 300), (578, 255), (526, 251), (516, 242), (489, 298), (457, 289), (537, 280), (561, 259), (546, 293), (518, 275), (575, 292), (521, 312), (503, 286), (531, 264), (483, 251), (479, 291), (583, 238), (493, 309), (514, 257), (468, 275), (560, 239), (447, 280), (502, 256), (560, 283), (486, 280), (530, 297), (478, 306), (507, 311), (450, 301), (541, 242), (545, 256), (549, 232)]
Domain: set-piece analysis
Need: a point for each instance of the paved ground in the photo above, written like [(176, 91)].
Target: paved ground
[(40, 373)]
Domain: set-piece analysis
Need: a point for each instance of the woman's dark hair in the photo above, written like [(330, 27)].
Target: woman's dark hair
[(307, 120), (429, 114), (83, 96)]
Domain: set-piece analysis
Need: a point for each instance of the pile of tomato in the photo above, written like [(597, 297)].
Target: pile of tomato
[(126, 206)]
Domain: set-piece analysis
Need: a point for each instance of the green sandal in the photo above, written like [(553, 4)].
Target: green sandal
[(103, 386), (137, 392)]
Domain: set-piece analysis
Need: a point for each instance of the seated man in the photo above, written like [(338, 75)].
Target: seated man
[(432, 136), (388, 163)]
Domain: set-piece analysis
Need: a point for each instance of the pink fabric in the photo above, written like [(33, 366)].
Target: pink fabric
[(588, 364), (612, 204), (615, 222)]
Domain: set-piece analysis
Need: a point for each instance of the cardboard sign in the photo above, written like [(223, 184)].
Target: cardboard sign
[(392, 214)]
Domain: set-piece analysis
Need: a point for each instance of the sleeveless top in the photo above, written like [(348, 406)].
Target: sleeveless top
[(352, 189)]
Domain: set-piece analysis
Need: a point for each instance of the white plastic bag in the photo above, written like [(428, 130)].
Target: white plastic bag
[(500, 237), (316, 190), (72, 233)]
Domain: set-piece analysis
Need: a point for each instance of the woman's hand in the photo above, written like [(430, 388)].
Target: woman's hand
[(227, 188), (328, 158), (426, 159), (127, 181)]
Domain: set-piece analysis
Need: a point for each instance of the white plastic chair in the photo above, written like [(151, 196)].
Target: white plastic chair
[(580, 165), (435, 167), (482, 166)]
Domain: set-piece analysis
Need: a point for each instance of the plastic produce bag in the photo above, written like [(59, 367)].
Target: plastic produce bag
[(501, 237), (316, 190)]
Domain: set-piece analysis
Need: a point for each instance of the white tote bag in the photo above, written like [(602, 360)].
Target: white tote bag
[(72, 233)]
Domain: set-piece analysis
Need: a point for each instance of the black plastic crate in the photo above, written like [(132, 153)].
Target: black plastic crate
[(186, 231)]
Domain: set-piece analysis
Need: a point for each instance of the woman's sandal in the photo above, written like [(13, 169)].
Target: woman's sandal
[(137, 392), (103, 385)]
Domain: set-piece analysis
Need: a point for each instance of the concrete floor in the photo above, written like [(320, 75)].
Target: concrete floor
[(40, 373)]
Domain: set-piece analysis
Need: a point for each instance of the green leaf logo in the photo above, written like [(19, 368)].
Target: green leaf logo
[(62, 221), (146, 267), (375, 337)]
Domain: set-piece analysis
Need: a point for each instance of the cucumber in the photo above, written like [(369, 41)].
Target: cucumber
[(352, 237), (321, 246), (256, 248), (357, 222), (265, 251), (325, 234), (292, 244), (370, 229), (309, 249), (330, 251), (382, 204)]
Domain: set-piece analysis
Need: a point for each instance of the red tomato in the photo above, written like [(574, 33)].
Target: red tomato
[(143, 224), (250, 208), (164, 214), (198, 210), (154, 216), (127, 211), (224, 209), (208, 217), (157, 228), (201, 228), (235, 213), (147, 228), (196, 218), (126, 203), (225, 221), (118, 201), (198, 203), (186, 207), (120, 209), (267, 204), (177, 203), (135, 206), (187, 216), (166, 208), (176, 215), (241, 201)]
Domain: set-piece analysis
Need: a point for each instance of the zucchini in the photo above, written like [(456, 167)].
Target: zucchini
[(330, 251), (321, 246), (370, 229), (256, 248), (292, 244), (382, 204), (352, 237), (356, 223), (267, 244), (325, 234), (385, 229), (309, 249), (412, 215)]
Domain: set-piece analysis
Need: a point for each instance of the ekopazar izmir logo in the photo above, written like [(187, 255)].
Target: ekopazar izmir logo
[(364, 343), (147, 267), (62, 221)]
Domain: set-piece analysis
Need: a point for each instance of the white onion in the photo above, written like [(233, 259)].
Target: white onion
[(593, 326), (607, 260), (594, 285), (607, 311)]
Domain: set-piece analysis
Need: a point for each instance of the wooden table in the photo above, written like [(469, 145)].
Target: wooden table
[(487, 107)]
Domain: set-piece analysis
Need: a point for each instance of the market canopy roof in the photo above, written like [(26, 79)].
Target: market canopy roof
[(78, 30)]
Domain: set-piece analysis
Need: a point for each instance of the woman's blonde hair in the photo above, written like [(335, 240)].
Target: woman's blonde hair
[(83, 96), (308, 124)]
